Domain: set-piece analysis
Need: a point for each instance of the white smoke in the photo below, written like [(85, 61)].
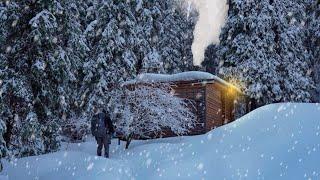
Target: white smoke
[(212, 16)]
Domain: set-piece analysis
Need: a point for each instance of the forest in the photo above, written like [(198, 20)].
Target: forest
[(60, 57)]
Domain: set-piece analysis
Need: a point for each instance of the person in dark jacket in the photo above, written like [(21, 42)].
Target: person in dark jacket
[(102, 129)]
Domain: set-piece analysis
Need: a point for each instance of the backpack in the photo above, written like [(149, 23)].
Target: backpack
[(98, 125)]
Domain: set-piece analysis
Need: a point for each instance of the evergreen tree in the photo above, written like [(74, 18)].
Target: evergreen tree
[(31, 136), (210, 62), (41, 51), (313, 44), (128, 38), (3, 147), (15, 91), (262, 46), (15, 140), (73, 23), (111, 37), (50, 135), (176, 36), (58, 57)]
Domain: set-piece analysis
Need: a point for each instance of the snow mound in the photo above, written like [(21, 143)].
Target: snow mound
[(279, 141), (184, 76), (3, 178)]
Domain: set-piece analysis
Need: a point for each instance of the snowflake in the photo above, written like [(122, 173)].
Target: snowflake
[(90, 166), (8, 49), (200, 166), (14, 23), (149, 161)]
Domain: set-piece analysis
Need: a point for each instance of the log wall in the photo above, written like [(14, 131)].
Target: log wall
[(196, 94), (212, 103), (213, 107), (219, 105)]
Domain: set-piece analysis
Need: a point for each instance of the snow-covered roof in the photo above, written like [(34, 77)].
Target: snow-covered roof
[(184, 76)]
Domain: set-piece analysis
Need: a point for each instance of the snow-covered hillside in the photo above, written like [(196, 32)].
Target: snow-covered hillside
[(280, 141)]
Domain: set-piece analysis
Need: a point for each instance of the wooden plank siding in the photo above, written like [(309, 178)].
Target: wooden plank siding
[(196, 94), (230, 97), (213, 107), (211, 101)]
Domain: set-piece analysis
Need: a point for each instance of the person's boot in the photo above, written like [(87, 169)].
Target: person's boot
[(99, 152)]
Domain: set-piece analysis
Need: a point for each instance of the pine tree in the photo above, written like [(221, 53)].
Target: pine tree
[(76, 50), (210, 62), (262, 47), (128, 38), (31, 136), (175, 36), (50, 134), (15, 140), (313, 44), (59, 57), (41, 51), (3, 147), (15, 91), (111, 37)]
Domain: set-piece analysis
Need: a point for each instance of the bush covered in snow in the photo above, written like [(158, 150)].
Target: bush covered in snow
[(145, 110), (76, 129)]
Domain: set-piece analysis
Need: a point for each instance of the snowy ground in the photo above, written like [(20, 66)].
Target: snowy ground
[(274, 142)]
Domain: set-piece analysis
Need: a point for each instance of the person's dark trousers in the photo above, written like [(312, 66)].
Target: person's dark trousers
[(103, 142)]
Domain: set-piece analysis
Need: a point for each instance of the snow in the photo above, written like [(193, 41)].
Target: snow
[(147, 109), (3, 178), (256, 63), (139, 5), (279, 141), (184, 76), (47, 17)]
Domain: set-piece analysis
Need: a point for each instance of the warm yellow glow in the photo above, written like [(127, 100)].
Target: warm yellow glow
[(231, 91), (235, 86)]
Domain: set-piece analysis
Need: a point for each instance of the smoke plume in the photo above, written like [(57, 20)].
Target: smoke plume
[(212, 16)]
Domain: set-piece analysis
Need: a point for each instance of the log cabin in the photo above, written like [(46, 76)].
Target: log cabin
[(215, 101)]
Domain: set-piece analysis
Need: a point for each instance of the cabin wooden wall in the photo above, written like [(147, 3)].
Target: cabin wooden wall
[(219, 105), (230, 98), (228, 108), (196, 94), (213, 106), (212, 103)]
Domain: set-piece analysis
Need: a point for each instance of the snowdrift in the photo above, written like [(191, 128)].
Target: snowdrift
[(280, 141)]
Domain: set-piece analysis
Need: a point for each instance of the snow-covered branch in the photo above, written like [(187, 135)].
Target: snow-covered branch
[(146, 110)]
